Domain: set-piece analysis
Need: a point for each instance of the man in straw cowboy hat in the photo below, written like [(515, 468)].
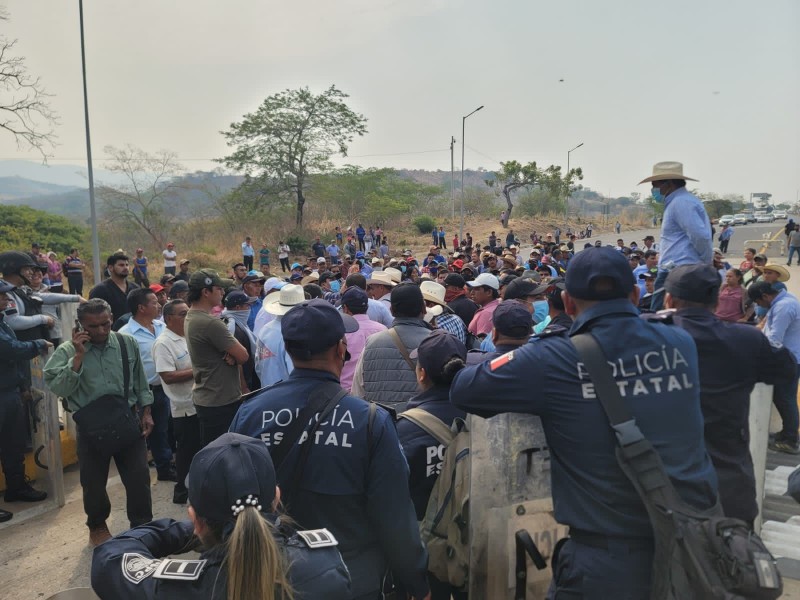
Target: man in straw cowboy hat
[(685, 229)]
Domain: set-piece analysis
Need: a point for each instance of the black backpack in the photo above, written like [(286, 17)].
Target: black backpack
[(699, 555)]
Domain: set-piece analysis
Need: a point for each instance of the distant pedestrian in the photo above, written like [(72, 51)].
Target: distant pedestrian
[(618, 227), (74, 267), (283, 255), (504, 219), (247, 253), (263, 259), (794, 244), (442, 237), (724, 238), (170, 257), (140, 269)]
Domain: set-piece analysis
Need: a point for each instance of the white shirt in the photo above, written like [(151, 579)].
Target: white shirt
[(171, 354), (283, 251), (273, 363), (169, 258)]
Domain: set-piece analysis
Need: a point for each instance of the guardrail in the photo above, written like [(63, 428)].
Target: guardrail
[(766, 244)]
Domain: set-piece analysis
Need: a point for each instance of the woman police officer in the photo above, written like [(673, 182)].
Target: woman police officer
[(248, 553)]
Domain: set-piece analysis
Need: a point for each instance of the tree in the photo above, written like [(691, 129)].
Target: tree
[(25, 110), (515, 176), (149, 197), (20, 225), (292, 135)]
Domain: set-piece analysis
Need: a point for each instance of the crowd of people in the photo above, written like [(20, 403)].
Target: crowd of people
[(318, 365)]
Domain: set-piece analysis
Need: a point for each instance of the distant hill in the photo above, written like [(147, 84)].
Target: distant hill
[(15, 187), (73, 201)]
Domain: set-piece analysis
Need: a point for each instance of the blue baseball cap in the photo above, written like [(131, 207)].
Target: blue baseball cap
[(314, 326), (599, 274), (232, 471), (296, 266), (359, 254)]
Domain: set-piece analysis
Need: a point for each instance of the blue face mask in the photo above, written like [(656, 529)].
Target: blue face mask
[(657, 195), (403, 268), (540, 310)]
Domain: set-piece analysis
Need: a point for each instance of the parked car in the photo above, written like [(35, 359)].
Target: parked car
[(740, 219), (765, 218), (780, 214), (726, 220)]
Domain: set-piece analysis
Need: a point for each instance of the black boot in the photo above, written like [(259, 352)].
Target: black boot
[(21, 491), (5, 516)]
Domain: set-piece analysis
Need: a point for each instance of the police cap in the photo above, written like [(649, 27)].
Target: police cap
[(314, 326), (228, 471), (695, 283), (436, 350), (599, 273), (512, 319)]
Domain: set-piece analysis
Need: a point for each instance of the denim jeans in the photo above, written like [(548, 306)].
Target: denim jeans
[(792, 250), (784, 397), (657, 301), (158, 441)]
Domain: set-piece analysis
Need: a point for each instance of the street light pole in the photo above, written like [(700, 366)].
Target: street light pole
[(463, 133), (92, 207), (452, 176), (566, 208)]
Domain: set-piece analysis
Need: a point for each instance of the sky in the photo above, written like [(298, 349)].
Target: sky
[(714, 84)]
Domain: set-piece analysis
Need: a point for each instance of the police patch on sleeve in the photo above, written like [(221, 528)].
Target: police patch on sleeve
[(318, 538), (182, 570), (136, 568), (501, 361)]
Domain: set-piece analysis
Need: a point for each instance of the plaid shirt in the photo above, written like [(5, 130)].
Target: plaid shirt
[(452, 323)]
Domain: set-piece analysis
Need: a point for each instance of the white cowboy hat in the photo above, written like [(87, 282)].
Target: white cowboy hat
[(285, 300), (395, 274), (433, 292), (432, 313), (667, 170), (381, 278)]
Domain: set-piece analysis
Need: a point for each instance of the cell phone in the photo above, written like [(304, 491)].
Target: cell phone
[(78, 326)]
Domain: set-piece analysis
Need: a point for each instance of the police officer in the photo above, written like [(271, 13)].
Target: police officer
[(248, 554), (610, 549), (346, 471), (439, 357), (733, 358), (14, 356), (24, 311)]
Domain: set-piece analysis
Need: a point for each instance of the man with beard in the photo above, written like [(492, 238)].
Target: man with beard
[(116, 288)]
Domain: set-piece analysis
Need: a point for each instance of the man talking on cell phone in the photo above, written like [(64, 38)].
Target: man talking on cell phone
[(90, 370)]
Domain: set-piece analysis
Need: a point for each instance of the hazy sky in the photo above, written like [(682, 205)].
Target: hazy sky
[(714, 84)]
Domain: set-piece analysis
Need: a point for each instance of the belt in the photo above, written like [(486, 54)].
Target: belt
[(598, 540)]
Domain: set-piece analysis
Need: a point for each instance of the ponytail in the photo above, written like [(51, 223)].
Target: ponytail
[(256, 568), (449, 371)]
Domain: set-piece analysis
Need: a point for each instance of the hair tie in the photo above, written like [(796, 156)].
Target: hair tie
[(244, 502)]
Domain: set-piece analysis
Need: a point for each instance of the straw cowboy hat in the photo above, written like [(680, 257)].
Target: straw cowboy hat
[(284, 301), (667, 170), (381, 278), (783, 272)]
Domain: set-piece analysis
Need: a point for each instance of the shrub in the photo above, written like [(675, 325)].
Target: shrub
[(424, 224), (298, 244)]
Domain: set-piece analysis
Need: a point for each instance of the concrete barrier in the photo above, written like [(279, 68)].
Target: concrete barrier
[(760, 413)]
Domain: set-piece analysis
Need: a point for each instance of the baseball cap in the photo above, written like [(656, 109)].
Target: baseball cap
[(436, 350), (185, 261), (359, 254), (206, 278), (321, 260), (486, 279), (238, 264), (458, 264), (599, 274), (296, 266), (237, 298), (512, 319), (355, 298), (273, 283), (296, 277), (155, 288), (253, 277), (695, 283), (177, 288), (228, 471), (139, 250), (529, 274), (6, 287), (651, 274), (522, 288), (166, 279), (314, 326), (455, 280)]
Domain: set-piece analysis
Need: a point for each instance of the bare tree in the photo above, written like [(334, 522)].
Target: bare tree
[(148, 199), (25, 109)]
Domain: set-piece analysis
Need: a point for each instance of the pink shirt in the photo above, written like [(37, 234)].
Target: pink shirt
[(355, 346), (481, 323), (729, 307)]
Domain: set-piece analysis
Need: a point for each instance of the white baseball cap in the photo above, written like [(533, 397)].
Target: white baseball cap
[(486, 279)]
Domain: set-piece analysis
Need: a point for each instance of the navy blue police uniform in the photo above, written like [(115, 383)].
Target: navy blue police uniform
[(355, 480), (610, 550), (732, 357), (131, 565), (423, 452)]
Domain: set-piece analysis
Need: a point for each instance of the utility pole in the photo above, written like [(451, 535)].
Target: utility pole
[(452, 176)]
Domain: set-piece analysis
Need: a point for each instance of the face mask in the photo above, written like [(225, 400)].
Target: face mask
[(403, 268), (542, 326), (540, 310), (657, 195)]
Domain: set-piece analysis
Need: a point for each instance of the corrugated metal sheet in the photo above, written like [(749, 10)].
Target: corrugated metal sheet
[(781, 514)]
